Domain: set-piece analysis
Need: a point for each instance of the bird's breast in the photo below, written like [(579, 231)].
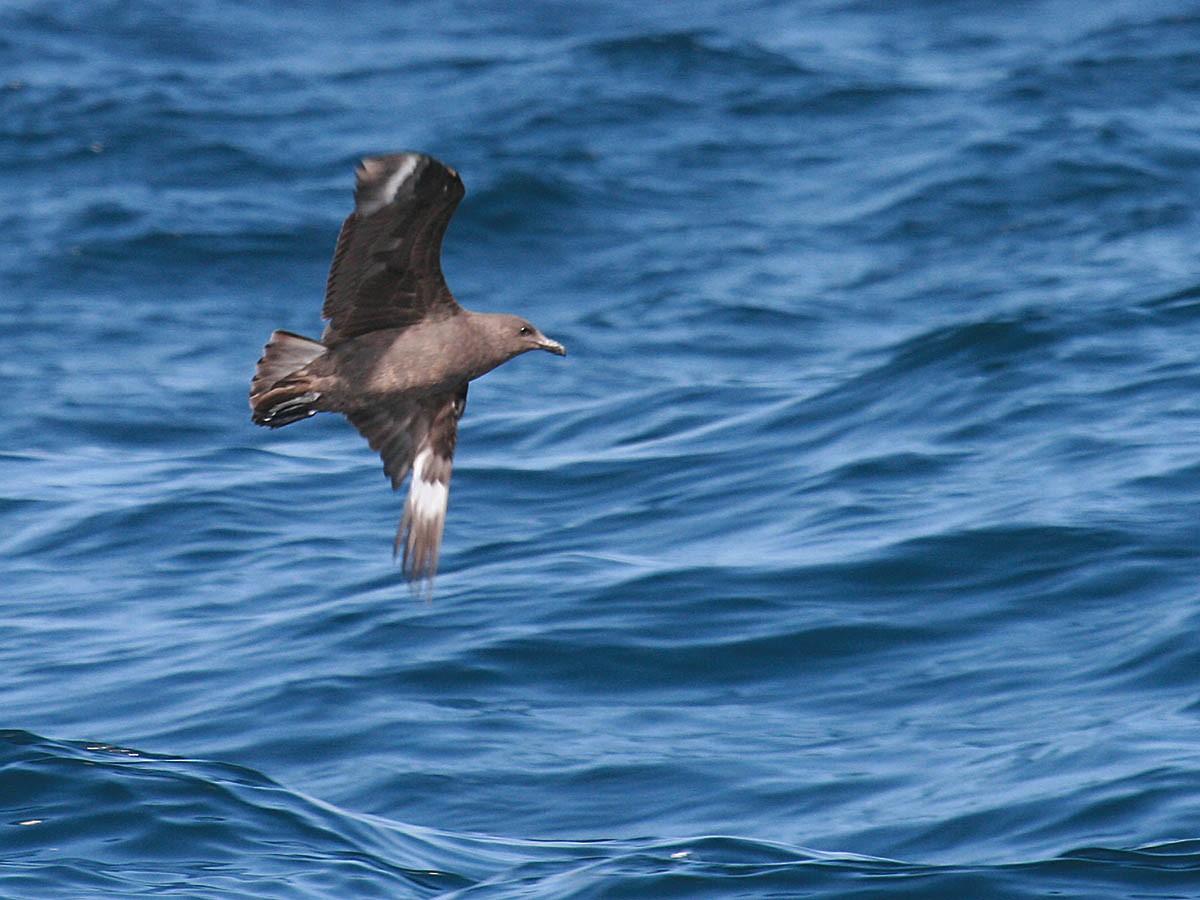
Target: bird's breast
[(414, 360)]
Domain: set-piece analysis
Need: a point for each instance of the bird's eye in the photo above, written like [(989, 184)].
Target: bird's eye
[(525, 330)]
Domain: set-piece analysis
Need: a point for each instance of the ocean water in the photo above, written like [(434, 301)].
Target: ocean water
[(851, 552)]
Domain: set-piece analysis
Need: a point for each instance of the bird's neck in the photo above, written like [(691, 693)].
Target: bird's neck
[(482, 332)]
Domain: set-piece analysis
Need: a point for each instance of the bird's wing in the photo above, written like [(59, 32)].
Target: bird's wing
[(420, 437), (387, 268)]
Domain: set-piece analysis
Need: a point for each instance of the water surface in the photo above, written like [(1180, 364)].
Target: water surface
[(850, 553)]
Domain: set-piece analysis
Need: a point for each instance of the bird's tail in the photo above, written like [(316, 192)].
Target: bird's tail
[(281, 392)]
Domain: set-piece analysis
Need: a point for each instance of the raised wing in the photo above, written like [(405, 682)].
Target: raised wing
[(420, 438), (387, 267)]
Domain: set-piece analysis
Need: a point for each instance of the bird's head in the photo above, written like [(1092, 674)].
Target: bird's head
[(520, 336)]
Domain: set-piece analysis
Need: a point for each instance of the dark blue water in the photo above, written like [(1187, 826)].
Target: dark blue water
[(851, 552)]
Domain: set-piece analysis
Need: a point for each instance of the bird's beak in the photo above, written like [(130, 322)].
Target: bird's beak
[(552, 346)]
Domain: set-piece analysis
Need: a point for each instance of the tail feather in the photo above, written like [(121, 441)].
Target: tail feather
[(280, 393)]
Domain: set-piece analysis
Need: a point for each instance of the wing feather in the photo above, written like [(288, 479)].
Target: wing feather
[(419, 437), (387, 270), (419, 539)]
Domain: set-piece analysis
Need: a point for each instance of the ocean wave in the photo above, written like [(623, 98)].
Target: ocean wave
[(89, 819)]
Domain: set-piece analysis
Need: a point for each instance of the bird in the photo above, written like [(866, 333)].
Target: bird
[(398, 352)]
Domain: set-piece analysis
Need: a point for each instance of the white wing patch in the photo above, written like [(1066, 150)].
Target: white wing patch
[(424, 517), (392, 185), (427, 497), (385, 193)]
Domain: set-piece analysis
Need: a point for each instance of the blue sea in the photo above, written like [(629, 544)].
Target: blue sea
[(852, 552)]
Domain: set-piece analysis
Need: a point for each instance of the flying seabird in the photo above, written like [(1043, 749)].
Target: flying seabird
[(398, 351)]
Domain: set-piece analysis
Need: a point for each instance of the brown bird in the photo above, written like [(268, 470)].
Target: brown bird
[(398, 351)]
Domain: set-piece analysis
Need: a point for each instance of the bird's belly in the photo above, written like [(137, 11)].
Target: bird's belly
[(388, 364), (413, 370)]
